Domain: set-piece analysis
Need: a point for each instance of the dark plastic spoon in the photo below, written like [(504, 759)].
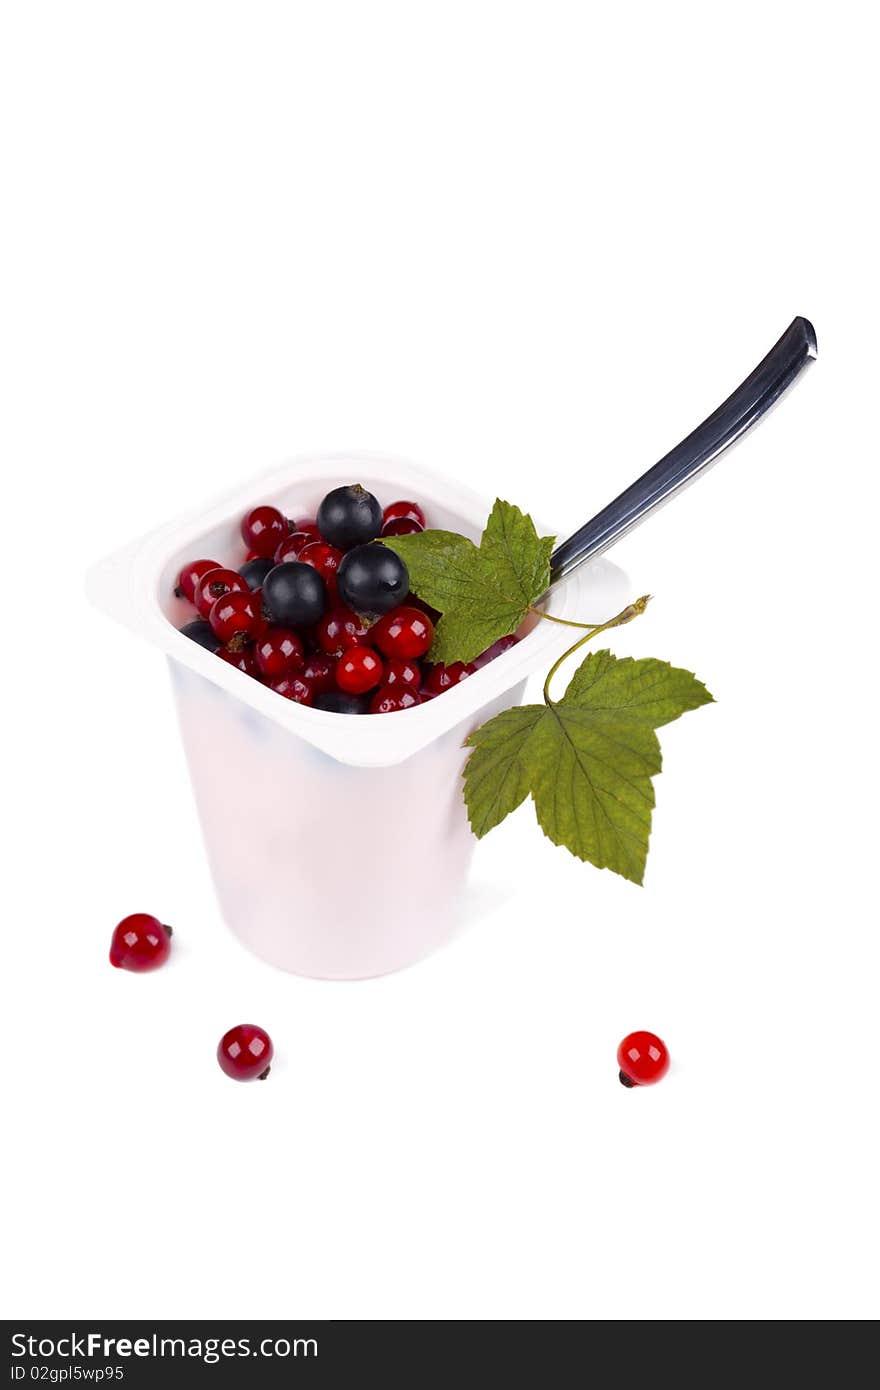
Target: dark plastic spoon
[(749, 403)]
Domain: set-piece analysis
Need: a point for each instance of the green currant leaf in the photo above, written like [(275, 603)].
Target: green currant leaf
[(483, 592), (587, 760)]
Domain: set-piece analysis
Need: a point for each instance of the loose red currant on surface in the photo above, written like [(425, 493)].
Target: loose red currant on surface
[(325, 559), (340, 629), (391, 698), (279, 652), (294, 688), (359, 670), (403, 632), (290, 548), (190, 575), (399, 670), (403, 526), (237, 618), (140, 942), (643, 1059), (320, 673), (404, 511), (445, 677), (245, 1053), (242, 660), (214, 585), (263, 529)]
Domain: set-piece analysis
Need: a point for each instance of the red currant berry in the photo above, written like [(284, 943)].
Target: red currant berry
[(403, 511), (643, 1059), (308, 524), (242, 660), (358, 670), (214, 585), (237, 617), (325, 559), (445, 677), (140, 942), (320, 673), (340, 629), (245, 1053), (403, 632), (290, 548), (263, 529), (403, 526), (399, 670), (279, 652), (190, 575), (394, 697), (294, 688)]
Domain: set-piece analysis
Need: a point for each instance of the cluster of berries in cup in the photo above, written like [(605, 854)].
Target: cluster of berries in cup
[(321, 614)]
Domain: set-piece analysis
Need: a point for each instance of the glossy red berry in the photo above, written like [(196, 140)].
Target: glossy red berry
[(290, 547), (341, 628), (307, 524), (358, 670), (320, 673), (403, 632), (403, 526), (445, 677), (400, 670), (242, 660), (237, 618), (245, 1053), (140, 942), (391, 698), (279, 652), (214, 585), (263, 529), (294, 688), (325, 559), (643, 1059), (403, 511), (190, 576)]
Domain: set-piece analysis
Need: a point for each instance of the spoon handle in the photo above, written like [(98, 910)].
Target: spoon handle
[(751, 401)]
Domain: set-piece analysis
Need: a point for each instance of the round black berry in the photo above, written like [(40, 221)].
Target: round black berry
[(338, 702), (254, 572), (349, 516), (294, 595), (372, 579), (203, 633)]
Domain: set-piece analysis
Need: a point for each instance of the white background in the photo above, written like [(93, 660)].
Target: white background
[(532, 245)]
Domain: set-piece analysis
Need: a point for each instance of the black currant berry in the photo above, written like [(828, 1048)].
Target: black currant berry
[(338, 702), (253, 572), (349, 516), (294, 595), (203, 633), (372, 579)]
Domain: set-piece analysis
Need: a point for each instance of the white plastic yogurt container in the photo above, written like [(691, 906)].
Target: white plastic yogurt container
[(389, 784)]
